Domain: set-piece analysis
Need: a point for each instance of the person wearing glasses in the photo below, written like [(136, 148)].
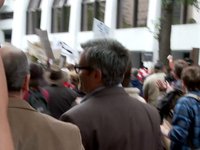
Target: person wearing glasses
[(108, 118)]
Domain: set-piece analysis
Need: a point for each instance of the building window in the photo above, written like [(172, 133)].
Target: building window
[(92, 9), (132, 13), (6, 15), (60, 16), (181, 14), (33, 16), (8, 35)]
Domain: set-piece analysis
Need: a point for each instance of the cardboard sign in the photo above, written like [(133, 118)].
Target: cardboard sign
[(34, 49), (45, 42)]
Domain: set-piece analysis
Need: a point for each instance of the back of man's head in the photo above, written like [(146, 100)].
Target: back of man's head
[(16, 66), (179, 65), (189, 61), (191, 78), (158, 67), (108, 55)]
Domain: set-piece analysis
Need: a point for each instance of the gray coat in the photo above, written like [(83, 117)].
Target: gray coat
[(112, 120)]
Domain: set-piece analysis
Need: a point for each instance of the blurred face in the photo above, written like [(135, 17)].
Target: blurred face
[(1, 3), (86, 75)]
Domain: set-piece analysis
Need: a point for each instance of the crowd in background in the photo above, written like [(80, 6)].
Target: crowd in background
[(101, 103)]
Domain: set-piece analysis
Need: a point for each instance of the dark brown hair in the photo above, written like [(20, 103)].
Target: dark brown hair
[(179, 65), (191, 78)]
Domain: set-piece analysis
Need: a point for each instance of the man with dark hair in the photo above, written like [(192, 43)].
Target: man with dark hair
[(61, 98), (179, 65), (185, 131), (30, 129), (108, 118)]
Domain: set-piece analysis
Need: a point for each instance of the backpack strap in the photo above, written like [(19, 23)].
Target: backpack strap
[(193, 96)]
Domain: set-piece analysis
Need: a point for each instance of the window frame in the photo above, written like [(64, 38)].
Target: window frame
[(86, 22), (182, 14), (135, 12), (33, 16), (60, 17)]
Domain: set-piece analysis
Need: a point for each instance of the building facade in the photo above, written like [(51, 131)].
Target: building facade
[(133, 22)]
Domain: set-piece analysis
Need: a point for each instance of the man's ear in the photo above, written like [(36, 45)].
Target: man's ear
[(26, 83), (98, 75)]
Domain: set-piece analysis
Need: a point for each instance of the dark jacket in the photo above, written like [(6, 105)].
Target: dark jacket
[(60, 99), (111, 120)]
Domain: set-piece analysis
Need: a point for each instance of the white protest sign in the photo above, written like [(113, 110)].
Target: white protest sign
[(71, 54), (45, 42), (100, 30)]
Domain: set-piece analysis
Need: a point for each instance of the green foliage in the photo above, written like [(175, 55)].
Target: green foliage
[(187, 2), (191, 2), (166, 3), (157, 26)]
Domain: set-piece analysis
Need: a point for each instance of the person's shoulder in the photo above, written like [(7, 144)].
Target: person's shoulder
[(186, 100), (149, 82), (60, 126), (134, 92), (151, 110), (53, 121), (87, 107), (64, 133), (77, 110), (76, 114), (60, 135), (149, 79), (145, 108), (71, 92)]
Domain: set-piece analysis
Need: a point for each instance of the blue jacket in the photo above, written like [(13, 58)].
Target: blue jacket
[(185, 132)]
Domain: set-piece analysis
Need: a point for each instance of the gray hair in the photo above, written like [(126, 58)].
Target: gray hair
[(108, 55), (16, 66)]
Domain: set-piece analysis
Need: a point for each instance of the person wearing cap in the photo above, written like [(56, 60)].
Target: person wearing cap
[(61, 98), (151, 91)]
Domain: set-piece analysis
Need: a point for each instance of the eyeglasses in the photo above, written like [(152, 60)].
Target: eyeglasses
[(79, 68)]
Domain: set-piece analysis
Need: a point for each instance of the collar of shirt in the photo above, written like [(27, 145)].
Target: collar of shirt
[(97, 90)]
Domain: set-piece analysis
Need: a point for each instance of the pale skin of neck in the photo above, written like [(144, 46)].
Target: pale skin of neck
[(6, 142), (16, 95)]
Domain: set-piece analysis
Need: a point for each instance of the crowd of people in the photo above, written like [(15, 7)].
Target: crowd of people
[(101, 103)]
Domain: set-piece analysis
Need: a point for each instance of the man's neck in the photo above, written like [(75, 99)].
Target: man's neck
[(16, 94)]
